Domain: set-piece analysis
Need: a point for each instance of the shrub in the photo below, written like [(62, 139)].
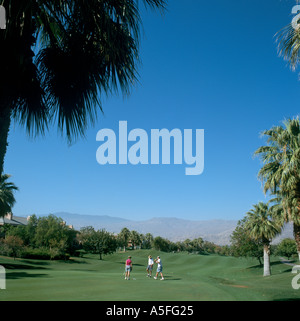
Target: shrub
[(12, 246), (287, 247)]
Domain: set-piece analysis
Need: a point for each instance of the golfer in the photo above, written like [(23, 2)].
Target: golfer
[(159, 268), (128, 268), (150, 266)]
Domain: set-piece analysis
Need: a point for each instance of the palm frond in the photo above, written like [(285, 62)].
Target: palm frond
[(83, 50), (7, 199), (261, 222), (288, 40), (280, 173)]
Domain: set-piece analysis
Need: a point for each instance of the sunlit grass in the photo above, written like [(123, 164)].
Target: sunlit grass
[(188, 277)]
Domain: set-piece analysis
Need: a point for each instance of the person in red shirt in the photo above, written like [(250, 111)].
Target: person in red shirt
[(128, 268)]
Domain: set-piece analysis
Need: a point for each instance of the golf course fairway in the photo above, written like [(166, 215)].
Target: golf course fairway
[(188, 277)]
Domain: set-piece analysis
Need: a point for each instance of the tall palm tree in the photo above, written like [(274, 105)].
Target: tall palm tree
[(280, 173), (59, 56), (7, 199), (263, 227)]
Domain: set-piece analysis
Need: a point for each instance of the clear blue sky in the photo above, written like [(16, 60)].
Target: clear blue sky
[(210, 65)]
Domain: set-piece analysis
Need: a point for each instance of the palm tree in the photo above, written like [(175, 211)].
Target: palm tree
[(262, 227), (60, 56), (123, 237), (280, 173), (288, 39), (7, 199), (135, 239)]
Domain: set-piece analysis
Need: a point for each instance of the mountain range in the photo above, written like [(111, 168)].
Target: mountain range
[(217, 231)]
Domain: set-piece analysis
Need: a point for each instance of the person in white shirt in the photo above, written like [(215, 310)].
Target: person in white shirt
[(150, 266), (159, 268)]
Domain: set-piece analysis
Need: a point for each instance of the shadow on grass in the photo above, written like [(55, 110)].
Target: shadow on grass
[(35, 262), (22, 275), (169, 277), (276, 263), (16, 266), (74, 261), (259, 266), (39, 265), (288, 270)]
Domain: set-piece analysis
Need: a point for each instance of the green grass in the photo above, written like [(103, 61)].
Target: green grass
[(188, 277)]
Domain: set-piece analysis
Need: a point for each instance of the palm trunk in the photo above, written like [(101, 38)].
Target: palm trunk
[(5, 113), (267, 270), (296, 228)]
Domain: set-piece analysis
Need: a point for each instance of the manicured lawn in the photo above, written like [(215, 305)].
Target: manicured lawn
[(188, 277)]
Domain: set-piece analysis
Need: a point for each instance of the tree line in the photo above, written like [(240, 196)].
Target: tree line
[(242, 244), (50, 238)]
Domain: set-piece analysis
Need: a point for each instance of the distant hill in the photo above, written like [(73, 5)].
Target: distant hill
[(174, 229)]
